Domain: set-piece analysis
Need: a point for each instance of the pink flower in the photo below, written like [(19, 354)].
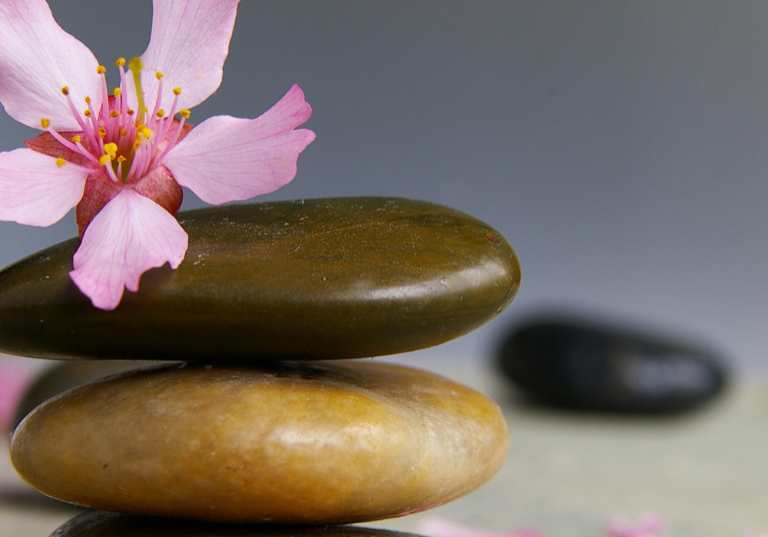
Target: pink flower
[(650, 525), (121, 157), (437, 527)]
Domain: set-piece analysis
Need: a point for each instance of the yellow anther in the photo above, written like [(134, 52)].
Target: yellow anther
[(111, 150), (60, 162), (129, 112), (158, 75), (104, 160), (87, 113), (45, 122), (120, 62), (102, 132), (121, 159), (76, 139), (117, 92), (65, 90), (123, 132), (177, 91), (160, 113), (87, 100), (114, 113), (101, 69), (184, 113), (145, 132)]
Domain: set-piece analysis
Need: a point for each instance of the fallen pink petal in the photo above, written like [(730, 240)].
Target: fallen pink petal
[(650, 525), (14, 380), (121, 156), (438, 527)]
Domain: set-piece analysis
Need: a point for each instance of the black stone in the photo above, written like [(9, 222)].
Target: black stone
[(582, 365), (102, 524)]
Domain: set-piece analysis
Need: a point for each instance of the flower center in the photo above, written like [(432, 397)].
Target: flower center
[(125, 143)]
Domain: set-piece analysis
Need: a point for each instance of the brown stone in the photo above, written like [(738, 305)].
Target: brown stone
[(100, 524), (315, 279), (300, 442)]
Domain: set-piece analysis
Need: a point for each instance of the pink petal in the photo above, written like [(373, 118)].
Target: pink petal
[(437, 527), (34, 190), (130, 235), (650, 525), (14, 380), (37, 59), (227, 159), (189, 43)]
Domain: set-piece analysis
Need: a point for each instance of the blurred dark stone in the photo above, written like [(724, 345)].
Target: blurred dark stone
[(574, 364), (101, 524)]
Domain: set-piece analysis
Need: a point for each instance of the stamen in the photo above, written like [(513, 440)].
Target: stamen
[(104, 160), (45, 122), (120, 62), (117, 92), (114, 114), (177, 91), (129, 112), (87, 100), (87, 113), (60, 162), (121, 159), (101, 69), (160, 113), (145, 132), (184, 113), (65, 90), (158, 75), (102, 132), (123, 132), (111, 150), (76, 139)]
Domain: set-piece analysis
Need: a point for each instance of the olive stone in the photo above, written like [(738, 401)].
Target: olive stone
[(100, 524), (291, 443), (315, 279)]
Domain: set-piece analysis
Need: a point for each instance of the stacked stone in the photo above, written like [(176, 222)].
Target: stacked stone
[(264, 417)]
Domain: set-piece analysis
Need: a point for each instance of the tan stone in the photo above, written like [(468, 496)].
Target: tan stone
[(311, 442), (99, 524)]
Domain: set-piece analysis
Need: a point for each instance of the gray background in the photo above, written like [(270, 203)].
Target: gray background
[(619, 146)]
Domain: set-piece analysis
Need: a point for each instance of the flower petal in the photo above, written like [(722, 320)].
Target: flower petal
[(189, 43), (650, 525), (227, 159), (130, 235), (438, 527), (35, 191), (37, 59)]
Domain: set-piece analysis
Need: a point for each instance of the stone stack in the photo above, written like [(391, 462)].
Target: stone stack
[(264, 418)]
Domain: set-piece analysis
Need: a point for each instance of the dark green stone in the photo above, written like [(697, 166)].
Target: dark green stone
[(101, 524), (314, 279)]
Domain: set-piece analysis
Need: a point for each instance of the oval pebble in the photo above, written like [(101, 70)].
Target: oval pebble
[(291, 443), (315, 279), (100, 524)]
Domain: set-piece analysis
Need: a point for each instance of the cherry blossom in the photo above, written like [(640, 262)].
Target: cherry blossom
[(121, 156)]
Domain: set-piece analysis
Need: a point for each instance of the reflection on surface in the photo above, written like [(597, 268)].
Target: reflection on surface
[(100, 524)]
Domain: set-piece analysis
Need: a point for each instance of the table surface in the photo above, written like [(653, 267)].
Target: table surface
[(567, 473)]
